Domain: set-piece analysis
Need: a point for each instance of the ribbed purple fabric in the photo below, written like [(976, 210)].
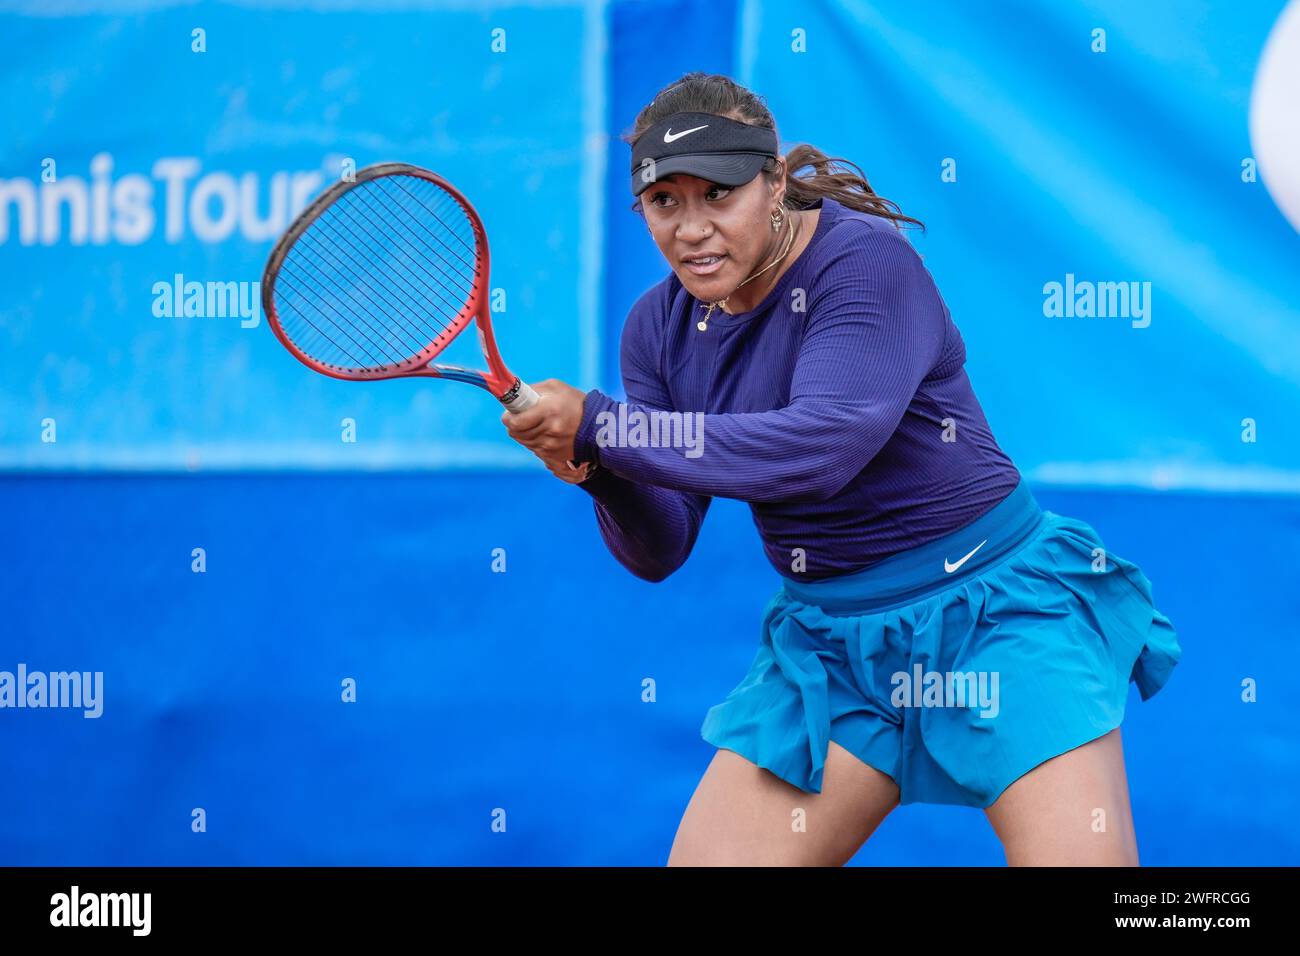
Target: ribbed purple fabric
[(839, 408)]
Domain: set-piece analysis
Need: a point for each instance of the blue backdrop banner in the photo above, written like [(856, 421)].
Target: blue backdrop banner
[(150, 161), (1106, 187)]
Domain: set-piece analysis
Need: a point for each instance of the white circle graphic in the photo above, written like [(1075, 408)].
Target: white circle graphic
[(1275, 113)]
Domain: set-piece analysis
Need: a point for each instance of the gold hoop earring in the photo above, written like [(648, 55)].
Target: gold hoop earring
[(778, 219)]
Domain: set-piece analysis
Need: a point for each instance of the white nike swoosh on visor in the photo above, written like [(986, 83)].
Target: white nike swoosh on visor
[(950, 568), (670, 136)]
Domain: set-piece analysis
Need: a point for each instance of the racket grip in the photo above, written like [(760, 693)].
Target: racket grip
[(523, 396)]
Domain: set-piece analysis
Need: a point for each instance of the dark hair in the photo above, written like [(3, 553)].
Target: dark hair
[(700, 92)]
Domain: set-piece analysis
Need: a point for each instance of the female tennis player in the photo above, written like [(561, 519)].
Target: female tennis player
[(937, 637)]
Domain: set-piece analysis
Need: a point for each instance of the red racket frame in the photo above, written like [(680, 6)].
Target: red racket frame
[(508, 388)]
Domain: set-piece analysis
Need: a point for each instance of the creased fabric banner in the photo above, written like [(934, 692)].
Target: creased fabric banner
[(1106, 187)]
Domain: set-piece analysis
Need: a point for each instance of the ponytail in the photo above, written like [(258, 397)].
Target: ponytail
[(844, 186)]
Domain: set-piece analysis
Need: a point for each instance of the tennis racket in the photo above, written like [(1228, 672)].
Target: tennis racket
[(378, 275)]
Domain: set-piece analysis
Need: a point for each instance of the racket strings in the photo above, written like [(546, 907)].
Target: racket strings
[(445, 229), (373, 229), (382, 275), (461, 263), (470, 263), (315, 247), (329, 331), (372, 327), (319, 341), (353, 318), (374, 240), (321, 298)]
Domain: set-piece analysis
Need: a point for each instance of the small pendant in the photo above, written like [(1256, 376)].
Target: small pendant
[(703, 324)]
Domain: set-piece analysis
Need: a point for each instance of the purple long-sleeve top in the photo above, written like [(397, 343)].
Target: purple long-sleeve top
[(839, 408)]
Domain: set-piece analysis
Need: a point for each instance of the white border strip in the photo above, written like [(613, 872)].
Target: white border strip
[(299, 456), (55, 9), (750, 22), (372, 456), (591, 226), (1167, 476)]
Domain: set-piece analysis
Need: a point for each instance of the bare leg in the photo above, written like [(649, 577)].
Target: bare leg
[(1072, 810), (743, 815)]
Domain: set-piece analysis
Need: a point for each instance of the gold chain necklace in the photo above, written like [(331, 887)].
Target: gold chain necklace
[(703, 324)]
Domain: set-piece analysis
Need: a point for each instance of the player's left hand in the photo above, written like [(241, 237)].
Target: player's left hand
[(565, 472)]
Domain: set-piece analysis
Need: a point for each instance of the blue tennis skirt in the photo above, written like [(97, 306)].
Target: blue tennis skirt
[(954, 667)]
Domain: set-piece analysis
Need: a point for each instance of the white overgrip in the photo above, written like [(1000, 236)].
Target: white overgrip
[(524, 397)]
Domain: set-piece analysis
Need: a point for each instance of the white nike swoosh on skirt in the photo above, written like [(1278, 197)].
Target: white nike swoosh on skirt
[(950, 568)]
